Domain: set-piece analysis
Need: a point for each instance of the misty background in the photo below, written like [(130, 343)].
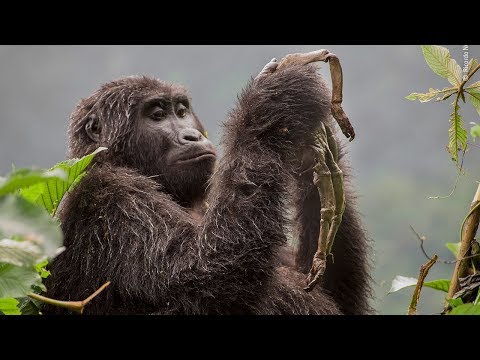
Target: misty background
[(398, 155)]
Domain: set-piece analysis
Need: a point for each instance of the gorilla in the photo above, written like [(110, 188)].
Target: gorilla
[(176, 232)]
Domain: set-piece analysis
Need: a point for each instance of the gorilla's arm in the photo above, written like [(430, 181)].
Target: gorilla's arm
[(245, 224)]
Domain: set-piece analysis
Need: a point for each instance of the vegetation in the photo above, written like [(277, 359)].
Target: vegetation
[(30, 235), (463, 290)]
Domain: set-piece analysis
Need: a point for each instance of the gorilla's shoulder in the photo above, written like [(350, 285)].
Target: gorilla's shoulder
[(105, 183)]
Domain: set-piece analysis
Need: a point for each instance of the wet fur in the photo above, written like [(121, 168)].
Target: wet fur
[(123, 226)]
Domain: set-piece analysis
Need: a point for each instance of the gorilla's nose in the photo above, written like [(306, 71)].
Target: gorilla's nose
[(187, 136)]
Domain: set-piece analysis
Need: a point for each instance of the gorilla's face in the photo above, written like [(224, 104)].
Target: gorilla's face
[(147, 125), (172, 147)]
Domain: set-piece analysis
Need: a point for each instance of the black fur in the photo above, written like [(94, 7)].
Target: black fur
[(124, 225)]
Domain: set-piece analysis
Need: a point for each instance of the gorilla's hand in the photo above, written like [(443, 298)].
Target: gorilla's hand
[(268, 69), (305, 58), (337, 81)]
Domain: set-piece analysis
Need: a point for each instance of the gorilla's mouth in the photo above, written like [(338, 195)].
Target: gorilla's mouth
[(197, 157)]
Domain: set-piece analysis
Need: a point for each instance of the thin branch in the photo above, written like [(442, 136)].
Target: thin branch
[(469, 76), (424, 269), (461, 89), (421, 239), (77, 306)]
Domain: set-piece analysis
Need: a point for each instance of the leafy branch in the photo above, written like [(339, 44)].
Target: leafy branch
[(439, 60), (465, 282), (30, 234)]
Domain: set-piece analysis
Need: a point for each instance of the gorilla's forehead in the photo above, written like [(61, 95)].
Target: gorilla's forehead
[(143, 86), (129, 91)]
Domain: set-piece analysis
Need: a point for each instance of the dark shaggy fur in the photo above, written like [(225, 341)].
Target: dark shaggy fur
[(124, 226)]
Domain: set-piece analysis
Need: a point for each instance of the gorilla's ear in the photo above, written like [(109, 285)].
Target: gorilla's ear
[(93, 128)]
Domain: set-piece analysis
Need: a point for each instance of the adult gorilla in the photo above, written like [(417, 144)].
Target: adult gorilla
[(176, 235)]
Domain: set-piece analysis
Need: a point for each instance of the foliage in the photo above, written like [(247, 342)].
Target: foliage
[(29, 234), (401, 282), (439, 60), (454, 248), (49, 193), (466, 309)]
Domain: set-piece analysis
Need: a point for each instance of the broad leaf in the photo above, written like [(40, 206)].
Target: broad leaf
[(440, 284), (25, 177), (477, 299), (471, 65), (438, 59), (439, 94), (466, 309), (474, 95), (20, 253), (455, 302), (49, 193), (475, 131), (475, 87), (454, 248), (17, 281), (455, 78), (401, 282), (457, 134), (9, 306), (41, 270), (22, 219)]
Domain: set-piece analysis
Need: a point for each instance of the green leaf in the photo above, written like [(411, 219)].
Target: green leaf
[(475, 131), (475, 100), (471, 65), (39, 233), (455, 302), (440, 94), (475, 87), (454, 248), (17, 281), (438, 59), (457, 134), (49, 193), (400, 282), (474, 92), (9, 306), (440, 284), (40, 268), (25, 177), (466, 309), (20, 253), (477, 299)]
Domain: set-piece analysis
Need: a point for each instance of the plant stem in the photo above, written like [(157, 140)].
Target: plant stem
[(424, 269), (77, 306), (467, 233), (470, 75)]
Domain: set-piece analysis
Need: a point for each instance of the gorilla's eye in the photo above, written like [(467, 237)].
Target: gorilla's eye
[(181, 110), (157, 113)]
